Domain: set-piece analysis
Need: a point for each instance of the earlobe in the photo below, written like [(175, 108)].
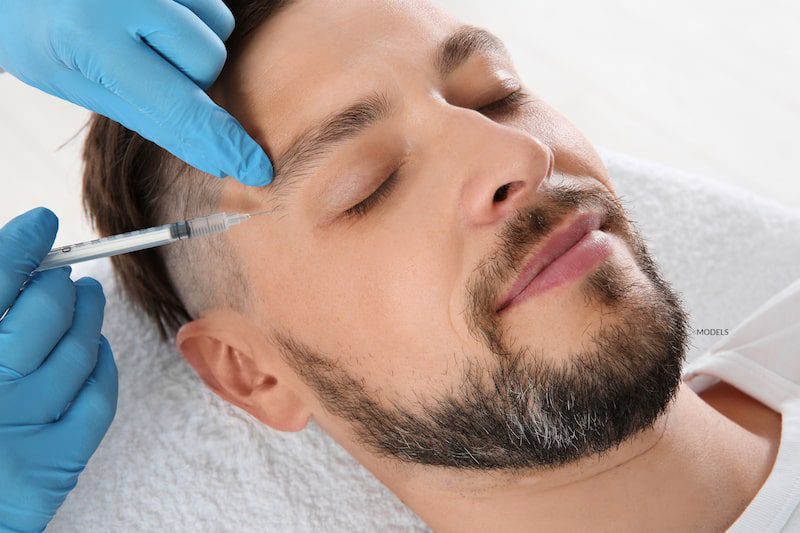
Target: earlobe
[(284, 412), (228, 366)]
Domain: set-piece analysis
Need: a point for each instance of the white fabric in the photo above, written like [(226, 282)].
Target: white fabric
[(178, 459), (761, 358)]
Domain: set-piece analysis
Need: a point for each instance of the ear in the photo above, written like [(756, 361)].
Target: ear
[(243, 373)]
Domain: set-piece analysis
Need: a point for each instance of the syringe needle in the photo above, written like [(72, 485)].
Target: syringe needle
[(265, 212)]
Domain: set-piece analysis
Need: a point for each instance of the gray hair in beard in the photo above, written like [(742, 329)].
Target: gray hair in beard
[(518, 410)]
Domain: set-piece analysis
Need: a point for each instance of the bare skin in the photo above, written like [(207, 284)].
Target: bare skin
[(384, 294)]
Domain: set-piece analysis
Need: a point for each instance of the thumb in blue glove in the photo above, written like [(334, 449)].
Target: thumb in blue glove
[(58, 379), (142, 64)]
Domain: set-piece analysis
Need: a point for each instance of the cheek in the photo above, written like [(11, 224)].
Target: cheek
[(389, 285), (375, 298)]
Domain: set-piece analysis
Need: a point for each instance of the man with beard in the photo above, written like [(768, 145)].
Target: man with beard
[(444, 280)]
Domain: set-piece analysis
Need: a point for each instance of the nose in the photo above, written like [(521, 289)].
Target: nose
[(505, 168)]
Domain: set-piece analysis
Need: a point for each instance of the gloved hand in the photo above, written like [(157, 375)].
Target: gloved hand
[(141, 63), (58, 380)]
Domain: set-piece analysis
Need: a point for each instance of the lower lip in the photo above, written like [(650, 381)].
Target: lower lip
[(583, 257)]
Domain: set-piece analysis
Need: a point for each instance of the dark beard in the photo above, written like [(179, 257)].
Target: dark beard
[(520, 410)]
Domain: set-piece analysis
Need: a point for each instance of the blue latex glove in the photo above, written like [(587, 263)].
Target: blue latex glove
[(141, 63), (58, 380)]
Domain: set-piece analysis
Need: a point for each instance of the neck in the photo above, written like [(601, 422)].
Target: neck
[(663, 479)]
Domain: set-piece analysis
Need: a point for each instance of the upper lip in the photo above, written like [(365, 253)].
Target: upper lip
[(561, 240)]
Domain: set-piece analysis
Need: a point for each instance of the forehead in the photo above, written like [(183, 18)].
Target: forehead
[(317, 55)]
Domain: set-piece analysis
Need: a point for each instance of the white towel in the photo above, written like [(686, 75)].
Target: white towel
[(179, 459)]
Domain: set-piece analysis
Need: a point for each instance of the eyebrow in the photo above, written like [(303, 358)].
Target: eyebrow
[(318, 140), (308, 148), (463, 44)]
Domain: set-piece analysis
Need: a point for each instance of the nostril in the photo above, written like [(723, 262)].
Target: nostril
[(501, 193)]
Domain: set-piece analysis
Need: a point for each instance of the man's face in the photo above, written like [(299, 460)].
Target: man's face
[(416, 178)]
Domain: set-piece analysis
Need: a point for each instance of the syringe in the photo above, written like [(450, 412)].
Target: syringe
[(140, 239)]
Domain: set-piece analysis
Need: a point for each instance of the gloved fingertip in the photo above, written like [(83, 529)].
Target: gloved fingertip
[(88, 282), (41, 217), (45, 216), (270, 174), (258, 174), (226, 23)]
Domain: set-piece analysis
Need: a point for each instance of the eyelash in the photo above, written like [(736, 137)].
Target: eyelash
[(509, 104), (373, 200)]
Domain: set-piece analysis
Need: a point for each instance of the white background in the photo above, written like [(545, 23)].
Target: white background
[(710, 87)]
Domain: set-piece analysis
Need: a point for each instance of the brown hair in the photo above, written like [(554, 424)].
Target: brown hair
[(131, 183)]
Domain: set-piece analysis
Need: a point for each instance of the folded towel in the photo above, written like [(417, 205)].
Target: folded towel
[(179, 459)]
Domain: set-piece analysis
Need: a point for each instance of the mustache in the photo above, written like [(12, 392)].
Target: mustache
[(523, 231)]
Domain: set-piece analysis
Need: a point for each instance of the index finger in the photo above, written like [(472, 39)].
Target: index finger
[(214, 13), (188, 123), (24, 242)]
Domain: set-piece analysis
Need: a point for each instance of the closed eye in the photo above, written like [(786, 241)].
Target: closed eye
[(506, 105), (377, 197)]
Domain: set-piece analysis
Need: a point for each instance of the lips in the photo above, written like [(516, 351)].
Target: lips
[(558, 244)]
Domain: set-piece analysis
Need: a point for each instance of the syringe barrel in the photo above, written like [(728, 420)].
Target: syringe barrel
[(140, 239), (108, 246), (216, 223), (202, 226)]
